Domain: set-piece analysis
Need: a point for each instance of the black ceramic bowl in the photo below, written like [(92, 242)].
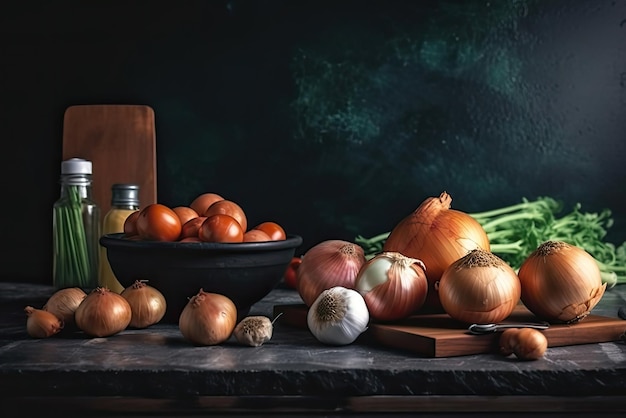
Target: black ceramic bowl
[(245, 272)]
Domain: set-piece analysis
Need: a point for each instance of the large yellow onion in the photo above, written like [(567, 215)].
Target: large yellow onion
[(561, 283), (438, 236), (479, 288)]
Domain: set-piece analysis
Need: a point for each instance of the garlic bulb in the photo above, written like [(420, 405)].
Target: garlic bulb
[(338, 316)]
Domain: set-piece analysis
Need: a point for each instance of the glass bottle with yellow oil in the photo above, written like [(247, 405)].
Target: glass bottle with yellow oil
[(124, 201)]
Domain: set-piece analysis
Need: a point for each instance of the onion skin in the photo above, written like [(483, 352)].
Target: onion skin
[(147, 304), (438, 236), (328, 264), (479, 288), (561, 283), (393, 286), (64, 302), (103, 313), (208, 319)]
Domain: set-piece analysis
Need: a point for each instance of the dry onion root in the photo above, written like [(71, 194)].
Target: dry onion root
[(479, 288), (561, 283)]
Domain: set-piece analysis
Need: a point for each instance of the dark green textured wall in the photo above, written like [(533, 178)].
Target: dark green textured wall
[(334, 118)]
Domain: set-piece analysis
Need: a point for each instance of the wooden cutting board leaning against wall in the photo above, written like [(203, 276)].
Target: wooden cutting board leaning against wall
[(120, 141)]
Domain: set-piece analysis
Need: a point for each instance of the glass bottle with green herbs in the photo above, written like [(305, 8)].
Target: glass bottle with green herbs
[(76, 229)]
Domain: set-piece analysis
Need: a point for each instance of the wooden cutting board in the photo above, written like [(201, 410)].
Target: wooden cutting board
[(438, 335), (120, 141)]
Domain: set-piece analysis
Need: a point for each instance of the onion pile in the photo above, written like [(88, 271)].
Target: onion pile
[(438, 236)]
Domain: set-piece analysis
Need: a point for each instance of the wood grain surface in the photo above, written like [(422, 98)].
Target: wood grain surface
[(120, 141)]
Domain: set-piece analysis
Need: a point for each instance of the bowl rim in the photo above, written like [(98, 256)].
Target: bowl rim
[(117, 240)]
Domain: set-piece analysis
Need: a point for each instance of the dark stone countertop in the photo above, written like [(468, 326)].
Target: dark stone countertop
[(156, 369)]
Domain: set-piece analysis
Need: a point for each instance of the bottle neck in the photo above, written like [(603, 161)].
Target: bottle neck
[(76, 186), (124, 206)]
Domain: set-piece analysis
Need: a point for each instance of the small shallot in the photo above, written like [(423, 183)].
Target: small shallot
[(525, 343), (42, 324)]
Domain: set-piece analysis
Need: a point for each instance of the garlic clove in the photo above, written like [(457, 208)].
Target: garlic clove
[(254, 330)]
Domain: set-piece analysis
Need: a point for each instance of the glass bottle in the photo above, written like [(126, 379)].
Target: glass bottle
[(124, 201), (75, 229)]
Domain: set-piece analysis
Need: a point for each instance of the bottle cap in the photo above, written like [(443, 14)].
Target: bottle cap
[(76, 166), (125, 194)]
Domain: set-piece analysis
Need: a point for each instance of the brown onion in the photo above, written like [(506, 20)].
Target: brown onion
[(328, 264), (42, 324), (560, 282), (479, 288), (438, 236), (393, 285), (64, 302), (103, 313), (525, 343), (147, 304), (208, 318)]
